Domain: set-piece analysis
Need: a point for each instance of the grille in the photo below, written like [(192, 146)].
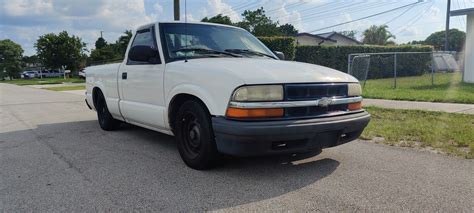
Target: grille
[(301, 92)]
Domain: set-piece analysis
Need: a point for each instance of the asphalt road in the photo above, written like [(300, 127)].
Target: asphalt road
[(54, 156)]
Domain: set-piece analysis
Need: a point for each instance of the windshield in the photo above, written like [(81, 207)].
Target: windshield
[(199, 40)]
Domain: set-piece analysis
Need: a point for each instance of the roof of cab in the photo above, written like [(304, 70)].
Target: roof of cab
[(189, 22)]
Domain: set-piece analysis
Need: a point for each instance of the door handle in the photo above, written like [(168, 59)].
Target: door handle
[(124, 75)]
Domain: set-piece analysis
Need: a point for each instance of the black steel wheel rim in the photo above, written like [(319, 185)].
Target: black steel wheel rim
[(192, 135)]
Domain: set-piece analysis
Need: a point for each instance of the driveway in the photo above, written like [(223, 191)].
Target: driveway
[(53, 156)]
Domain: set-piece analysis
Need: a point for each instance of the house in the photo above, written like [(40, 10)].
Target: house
[(330, 38), (469, 54)]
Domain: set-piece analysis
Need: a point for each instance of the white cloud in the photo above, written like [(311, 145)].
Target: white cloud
[(219, 7), (25, 20), (26, 7), (189, 17), (411, 32), (158, 8), (280, 11)]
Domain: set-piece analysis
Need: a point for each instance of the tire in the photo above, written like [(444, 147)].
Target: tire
[(195, 137), (106, 121)]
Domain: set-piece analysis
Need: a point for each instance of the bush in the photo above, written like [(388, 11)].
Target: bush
[(381, 66), (287, 45)]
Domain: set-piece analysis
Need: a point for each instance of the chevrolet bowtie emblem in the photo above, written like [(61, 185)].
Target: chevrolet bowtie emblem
[(324, 102)]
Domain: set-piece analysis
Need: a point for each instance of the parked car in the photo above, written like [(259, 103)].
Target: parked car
[(219, 90), (51, 73), (30, 74), (82, 74), (45, 74)]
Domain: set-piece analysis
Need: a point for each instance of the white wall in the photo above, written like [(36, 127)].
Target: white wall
[(343, 41), (469, 55), (305, 40)]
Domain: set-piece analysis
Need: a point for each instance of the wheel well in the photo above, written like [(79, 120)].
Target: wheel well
[(176, 103), (95, 94)]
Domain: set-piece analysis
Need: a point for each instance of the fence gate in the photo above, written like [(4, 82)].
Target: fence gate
[(359, 67)]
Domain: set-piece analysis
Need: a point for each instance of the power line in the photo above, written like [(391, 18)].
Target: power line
[(459, 7), (326, 14), (398, 16), (357, 9), (415, 19), (333, 10), (292, 5), (307, 9), (245, 6), (366, 17)]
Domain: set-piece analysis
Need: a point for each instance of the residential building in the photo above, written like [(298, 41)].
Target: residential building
[(330, 38)]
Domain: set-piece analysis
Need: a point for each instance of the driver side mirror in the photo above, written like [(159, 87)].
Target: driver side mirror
[(142, 53), (280, 55)]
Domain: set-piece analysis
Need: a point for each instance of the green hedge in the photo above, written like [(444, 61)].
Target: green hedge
[(380, 66), (287, 45)]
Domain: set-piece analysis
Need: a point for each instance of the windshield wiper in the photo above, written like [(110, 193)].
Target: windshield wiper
[(247, 51), (209, 51)]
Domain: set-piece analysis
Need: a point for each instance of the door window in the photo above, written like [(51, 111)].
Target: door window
[(144, 37)]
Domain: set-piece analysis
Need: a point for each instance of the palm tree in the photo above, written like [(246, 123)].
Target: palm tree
[(378, 35)]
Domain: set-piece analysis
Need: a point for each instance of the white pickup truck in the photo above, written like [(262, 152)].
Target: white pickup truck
[(219, 90)]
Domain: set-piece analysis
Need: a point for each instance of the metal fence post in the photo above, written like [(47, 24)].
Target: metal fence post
[(432, 68), (349, 64), (395, 70)]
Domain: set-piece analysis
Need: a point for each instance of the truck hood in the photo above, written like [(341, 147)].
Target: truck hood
[(266, 71)]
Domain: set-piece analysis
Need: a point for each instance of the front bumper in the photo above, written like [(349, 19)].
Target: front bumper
[(241, 138)]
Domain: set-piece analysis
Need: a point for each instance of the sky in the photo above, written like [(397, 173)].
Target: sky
[(23, 21)]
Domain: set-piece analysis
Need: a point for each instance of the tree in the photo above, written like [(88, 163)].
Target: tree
[(414, 42), (378, 35), (288, 30), (10, 58), (55, 51), (31, 61), (100, 43), (219, 19), (111, 52), (456, 40), (349, 33), (123, 41), (259, 24)]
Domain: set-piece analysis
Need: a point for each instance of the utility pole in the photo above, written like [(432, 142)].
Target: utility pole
[(176, 10), (446, 36), (101, 34)]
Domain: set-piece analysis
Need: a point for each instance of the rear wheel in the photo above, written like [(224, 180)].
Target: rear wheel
[(106, 121), (195, 136)]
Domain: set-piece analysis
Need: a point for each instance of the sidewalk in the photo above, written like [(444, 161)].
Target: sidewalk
[(393, 104), (65, 84), (429, 106)]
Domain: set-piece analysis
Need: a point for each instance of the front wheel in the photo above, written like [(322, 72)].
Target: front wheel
[(195, 136)]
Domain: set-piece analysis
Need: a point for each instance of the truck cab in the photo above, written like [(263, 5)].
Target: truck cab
[(219, 90)]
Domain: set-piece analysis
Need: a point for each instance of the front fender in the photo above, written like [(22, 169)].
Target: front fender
[(199, 92)]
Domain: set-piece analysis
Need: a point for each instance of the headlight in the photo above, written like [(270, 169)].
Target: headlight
[(259, 93), (354, 89)]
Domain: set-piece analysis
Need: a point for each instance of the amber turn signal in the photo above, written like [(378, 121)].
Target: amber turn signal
[(354, 106), (254, 113)]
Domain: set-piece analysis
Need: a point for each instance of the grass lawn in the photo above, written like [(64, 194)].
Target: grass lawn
[(448, 132), (37, 81), (448, 88), (65, 88)]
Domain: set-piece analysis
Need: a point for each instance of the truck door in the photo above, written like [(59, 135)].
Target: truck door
[(141, 81)]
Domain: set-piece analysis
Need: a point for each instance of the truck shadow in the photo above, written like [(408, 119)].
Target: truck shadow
[(142, 168)]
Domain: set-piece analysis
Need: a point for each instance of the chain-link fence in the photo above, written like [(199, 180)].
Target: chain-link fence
[(402, 69)]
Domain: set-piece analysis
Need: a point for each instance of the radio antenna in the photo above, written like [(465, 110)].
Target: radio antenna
[(186, 30)]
